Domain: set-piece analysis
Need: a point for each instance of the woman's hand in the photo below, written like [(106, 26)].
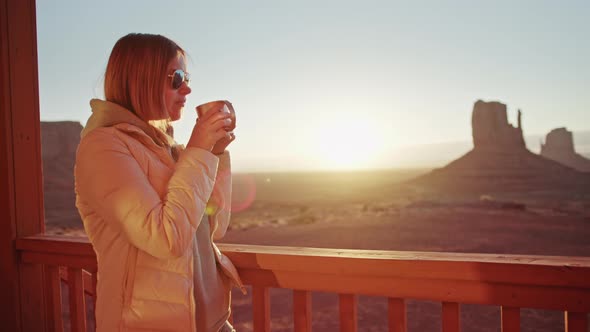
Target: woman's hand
[(209, 129), (223, 143)]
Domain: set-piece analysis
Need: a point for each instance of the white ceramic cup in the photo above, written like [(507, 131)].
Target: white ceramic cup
[(206, 107), (225, 105)]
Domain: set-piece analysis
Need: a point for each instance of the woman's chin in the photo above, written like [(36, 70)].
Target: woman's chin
[(175, 115)]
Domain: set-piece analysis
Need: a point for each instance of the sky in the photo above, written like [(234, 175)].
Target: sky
[(334, 85)]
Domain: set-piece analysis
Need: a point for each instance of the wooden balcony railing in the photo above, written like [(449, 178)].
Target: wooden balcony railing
[(510, 281)]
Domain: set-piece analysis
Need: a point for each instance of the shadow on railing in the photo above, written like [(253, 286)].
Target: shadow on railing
[(510, 281)]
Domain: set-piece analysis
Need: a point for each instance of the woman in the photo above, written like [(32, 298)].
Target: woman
[(151, 208)]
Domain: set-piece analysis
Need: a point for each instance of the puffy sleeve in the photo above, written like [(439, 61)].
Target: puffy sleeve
[(111, 181), (219, 206)]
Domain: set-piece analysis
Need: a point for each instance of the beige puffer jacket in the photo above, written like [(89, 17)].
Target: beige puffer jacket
[(152, 221)]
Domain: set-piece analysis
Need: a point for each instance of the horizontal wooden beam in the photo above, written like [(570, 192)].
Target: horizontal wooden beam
[(555, 283), (512, 269), (56, 244), (460, 291), (408, 255)]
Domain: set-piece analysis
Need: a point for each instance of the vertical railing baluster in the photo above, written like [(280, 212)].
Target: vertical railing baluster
[(77, 302), (94, 294), (396, 313), (302, 311), (510, 319), (451, 317), (348, 313), (576, 321), (261, 309), (53, 298)]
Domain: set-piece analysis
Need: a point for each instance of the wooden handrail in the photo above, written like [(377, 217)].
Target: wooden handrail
[(514, 269), (511, 281), (56, 244), (548, 282)]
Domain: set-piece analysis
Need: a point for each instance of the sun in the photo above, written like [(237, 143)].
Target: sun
[(349, 143)]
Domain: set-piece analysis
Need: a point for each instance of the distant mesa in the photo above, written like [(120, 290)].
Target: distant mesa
[(59, 142), (559, 146), (500, 161)]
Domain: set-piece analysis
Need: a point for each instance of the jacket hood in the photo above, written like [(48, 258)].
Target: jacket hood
[(108, 114)]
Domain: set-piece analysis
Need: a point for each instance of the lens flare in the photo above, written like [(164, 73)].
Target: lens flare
[(210, 209), (244, 192)]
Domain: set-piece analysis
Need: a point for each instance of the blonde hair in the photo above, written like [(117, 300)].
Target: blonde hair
[(135, 76)]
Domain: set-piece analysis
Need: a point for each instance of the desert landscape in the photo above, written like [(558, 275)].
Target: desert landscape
[(497, 198), (380, 210)]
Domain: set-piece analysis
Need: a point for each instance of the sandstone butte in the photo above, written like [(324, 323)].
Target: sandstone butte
[(559, 146), (501, 162)]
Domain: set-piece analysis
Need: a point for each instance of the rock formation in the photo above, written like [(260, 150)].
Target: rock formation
[(59, 141), (559, 146), (500, 161), (491, 130)]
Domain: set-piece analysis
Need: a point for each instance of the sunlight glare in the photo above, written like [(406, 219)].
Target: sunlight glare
[(349, 143)]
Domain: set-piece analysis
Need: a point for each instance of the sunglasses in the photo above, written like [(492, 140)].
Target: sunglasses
[(178, 77)]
